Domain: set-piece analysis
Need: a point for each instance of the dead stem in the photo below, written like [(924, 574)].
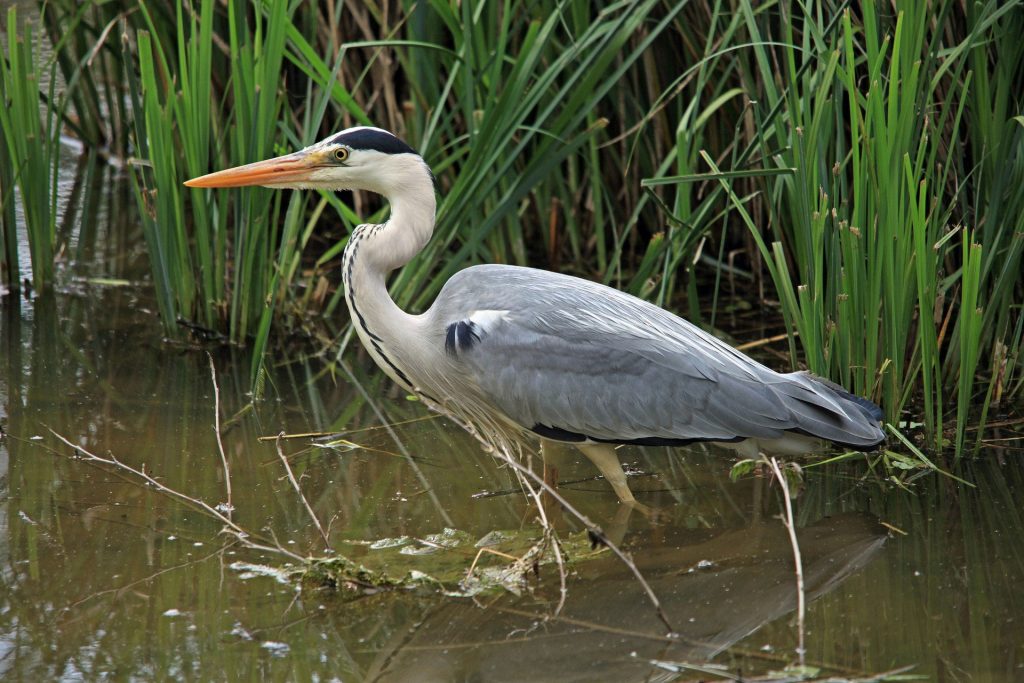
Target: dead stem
[(313, 435), (302, 496), (525, 473), (246, 538), (549, 537), (601, 628), (757, 343), (892, 528), (229, 506), (120, 591), (787, 521), (491, 551)]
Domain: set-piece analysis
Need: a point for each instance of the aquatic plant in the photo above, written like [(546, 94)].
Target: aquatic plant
[(857, 166), (29, 158)]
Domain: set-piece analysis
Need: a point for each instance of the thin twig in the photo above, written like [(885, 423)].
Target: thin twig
[(118, 592), (245, 537), (594, 529), (550, 537), (763, 342), (302, 496), (103, 36), (787, 521), (229, 506), (491, 551), (346, 432)]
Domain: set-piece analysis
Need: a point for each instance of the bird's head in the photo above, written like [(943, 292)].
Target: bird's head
[(355, 159)]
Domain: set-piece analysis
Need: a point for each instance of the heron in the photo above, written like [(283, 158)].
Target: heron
[(516, 352)]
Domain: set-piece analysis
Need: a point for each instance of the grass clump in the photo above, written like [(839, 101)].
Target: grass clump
[(29, 160), (857, 166), (886, 239)]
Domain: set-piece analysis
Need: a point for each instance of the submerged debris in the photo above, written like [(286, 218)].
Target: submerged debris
[(283, 575), (275, 648), (449, 562), (384, 543)]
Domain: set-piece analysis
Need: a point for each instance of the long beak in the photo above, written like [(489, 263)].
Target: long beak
[(290, 168)]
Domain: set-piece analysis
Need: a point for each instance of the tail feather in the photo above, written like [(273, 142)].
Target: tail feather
[(869, 408), (861, 417)]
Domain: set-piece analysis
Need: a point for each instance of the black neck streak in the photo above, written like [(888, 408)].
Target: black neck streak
[(348, 263)]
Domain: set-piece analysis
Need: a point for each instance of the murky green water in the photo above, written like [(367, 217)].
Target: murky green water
[(107, 579)]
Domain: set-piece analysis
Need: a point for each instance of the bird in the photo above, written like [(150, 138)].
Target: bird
[(517, 353)]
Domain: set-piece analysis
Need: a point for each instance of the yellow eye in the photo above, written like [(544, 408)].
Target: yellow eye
[(341, 154)]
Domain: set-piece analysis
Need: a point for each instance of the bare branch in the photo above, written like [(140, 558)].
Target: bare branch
[(549, 536), (302, 496), (228, 507), (230, 527), (596, 531), (801, 609)]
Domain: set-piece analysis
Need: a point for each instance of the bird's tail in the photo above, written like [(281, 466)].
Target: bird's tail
[(865, 416), (869, 408)]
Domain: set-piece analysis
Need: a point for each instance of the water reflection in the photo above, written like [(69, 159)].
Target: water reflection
[(716, 585)]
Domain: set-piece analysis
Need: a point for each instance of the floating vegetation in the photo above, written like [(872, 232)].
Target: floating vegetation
[(449, 562)]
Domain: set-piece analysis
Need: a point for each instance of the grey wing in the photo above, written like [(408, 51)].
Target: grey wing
[(571, 359)]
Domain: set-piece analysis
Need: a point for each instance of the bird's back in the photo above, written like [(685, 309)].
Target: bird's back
[(574, 360)]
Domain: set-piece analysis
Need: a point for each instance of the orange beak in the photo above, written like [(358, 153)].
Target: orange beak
[(290, 168)]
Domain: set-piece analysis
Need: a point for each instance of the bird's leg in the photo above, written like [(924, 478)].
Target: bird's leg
[(555, 452), (551, 453), (607, 461), (604, 458)]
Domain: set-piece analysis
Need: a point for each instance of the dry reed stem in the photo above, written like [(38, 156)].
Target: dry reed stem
[(595, 530), (230, 527), (549, 537), (122, 590), (492, 551), (398, 442), (801, 598), (229, 506), (313, 435), (524, 473), (757, 343), (302, 496)]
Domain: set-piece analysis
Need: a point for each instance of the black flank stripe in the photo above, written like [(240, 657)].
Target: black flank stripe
[(559, 434)]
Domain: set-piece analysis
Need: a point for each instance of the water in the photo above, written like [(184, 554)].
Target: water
[(106, 579)]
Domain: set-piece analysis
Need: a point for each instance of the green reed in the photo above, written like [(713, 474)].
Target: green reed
[(10, 268), (216, 262), (859, 168), (30, 143), (867, 249), (517, 121)]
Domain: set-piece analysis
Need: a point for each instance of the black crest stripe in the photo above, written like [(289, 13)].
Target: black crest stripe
[(370, 138)]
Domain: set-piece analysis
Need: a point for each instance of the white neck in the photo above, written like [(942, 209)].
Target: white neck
[(408, 229), (374, 251)]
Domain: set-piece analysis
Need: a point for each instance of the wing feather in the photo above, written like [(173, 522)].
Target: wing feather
[(573, 355)]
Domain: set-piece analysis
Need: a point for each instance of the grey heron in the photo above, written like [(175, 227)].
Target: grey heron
[(514, 351)]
